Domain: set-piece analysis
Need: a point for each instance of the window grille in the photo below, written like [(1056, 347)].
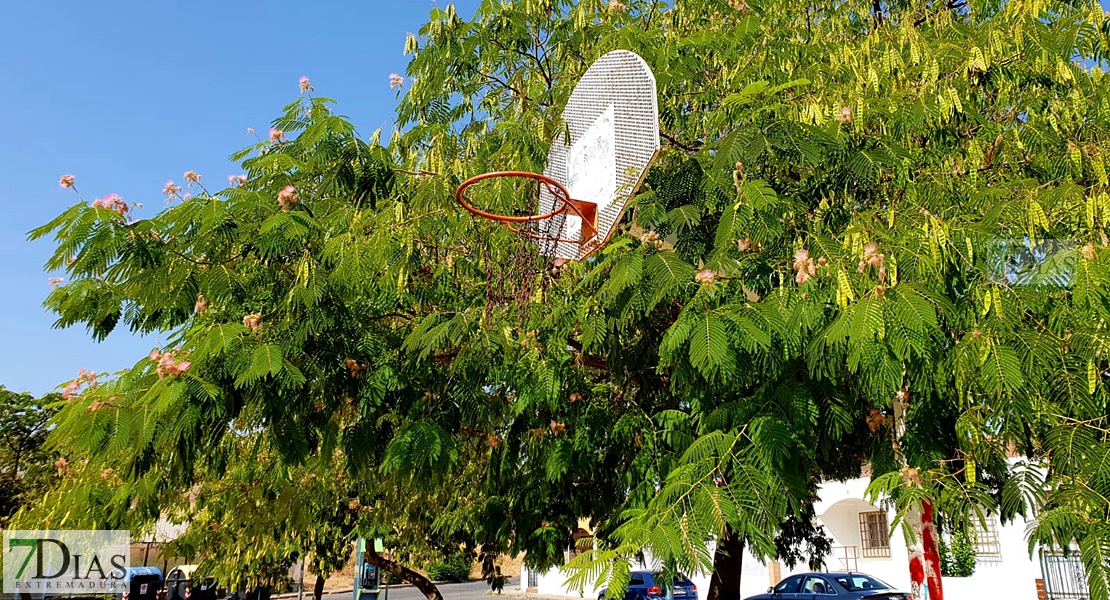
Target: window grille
[(985, 537), (874, 534)]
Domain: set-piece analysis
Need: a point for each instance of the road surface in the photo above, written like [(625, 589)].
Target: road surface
[(471, 590)]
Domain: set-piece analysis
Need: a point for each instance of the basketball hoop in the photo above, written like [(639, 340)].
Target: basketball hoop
[(592, 172), (587, 211)]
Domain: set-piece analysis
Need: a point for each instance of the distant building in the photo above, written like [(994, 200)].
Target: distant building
[(862, 542)]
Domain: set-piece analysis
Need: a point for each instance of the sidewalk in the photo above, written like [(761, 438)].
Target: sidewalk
[(392, 586), (517, 593)]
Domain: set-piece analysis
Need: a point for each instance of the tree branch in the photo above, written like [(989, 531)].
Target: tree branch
[(426, 587), (673, 140), (499, 81), (877, 12), (596, 362)]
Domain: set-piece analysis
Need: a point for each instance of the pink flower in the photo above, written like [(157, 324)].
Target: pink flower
[(84, 376), (154, 354), (66, 181), (250, 130), (872, 258), (112, 202), (845, 114), (306, 85), (202, 304), (287, 197), (168, 363), (395, 80), (192, 176), (170, 190), (615, 5), (705, 276), (253, 321), (186, 196), (652, 238), (804, 266), (276, 135), (231, 179), (560, 262), (56, 281)]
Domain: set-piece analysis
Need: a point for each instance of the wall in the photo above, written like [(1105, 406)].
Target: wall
[(1012, 576), (838, 510)]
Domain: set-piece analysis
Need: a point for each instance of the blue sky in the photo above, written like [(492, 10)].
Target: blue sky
[(125, 95)]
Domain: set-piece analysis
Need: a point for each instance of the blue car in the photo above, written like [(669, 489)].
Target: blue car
[(830, 586), (645, 585)]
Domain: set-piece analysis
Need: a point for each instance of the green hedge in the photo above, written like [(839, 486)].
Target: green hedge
[(455, 569), (957, 556)]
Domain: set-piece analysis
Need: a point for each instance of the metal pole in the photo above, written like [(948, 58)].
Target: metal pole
[(300, 582), (385, 594), (360, 547)]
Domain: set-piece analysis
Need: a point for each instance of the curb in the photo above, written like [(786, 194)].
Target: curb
[(308, 593), (516, 593), (392, 586)]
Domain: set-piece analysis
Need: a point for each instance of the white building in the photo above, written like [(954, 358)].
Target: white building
[(861, 542)]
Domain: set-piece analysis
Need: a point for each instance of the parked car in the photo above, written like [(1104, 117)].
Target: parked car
[(645, 585), (821, 586)]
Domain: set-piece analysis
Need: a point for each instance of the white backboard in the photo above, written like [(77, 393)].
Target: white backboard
[(613, 121)]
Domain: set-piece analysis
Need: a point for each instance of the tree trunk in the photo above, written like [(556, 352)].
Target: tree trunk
[(727, 560), (318, 587), (932, 555), (923, 556), (422, 583)]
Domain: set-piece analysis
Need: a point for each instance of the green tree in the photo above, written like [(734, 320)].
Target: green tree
[(27, 466), (851, 214), (845, 233)]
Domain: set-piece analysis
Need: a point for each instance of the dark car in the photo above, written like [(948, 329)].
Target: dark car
[(645, 585), (827, 586)]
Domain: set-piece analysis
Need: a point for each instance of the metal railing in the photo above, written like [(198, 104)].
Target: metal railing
[(1064, 576), (847, 557)]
